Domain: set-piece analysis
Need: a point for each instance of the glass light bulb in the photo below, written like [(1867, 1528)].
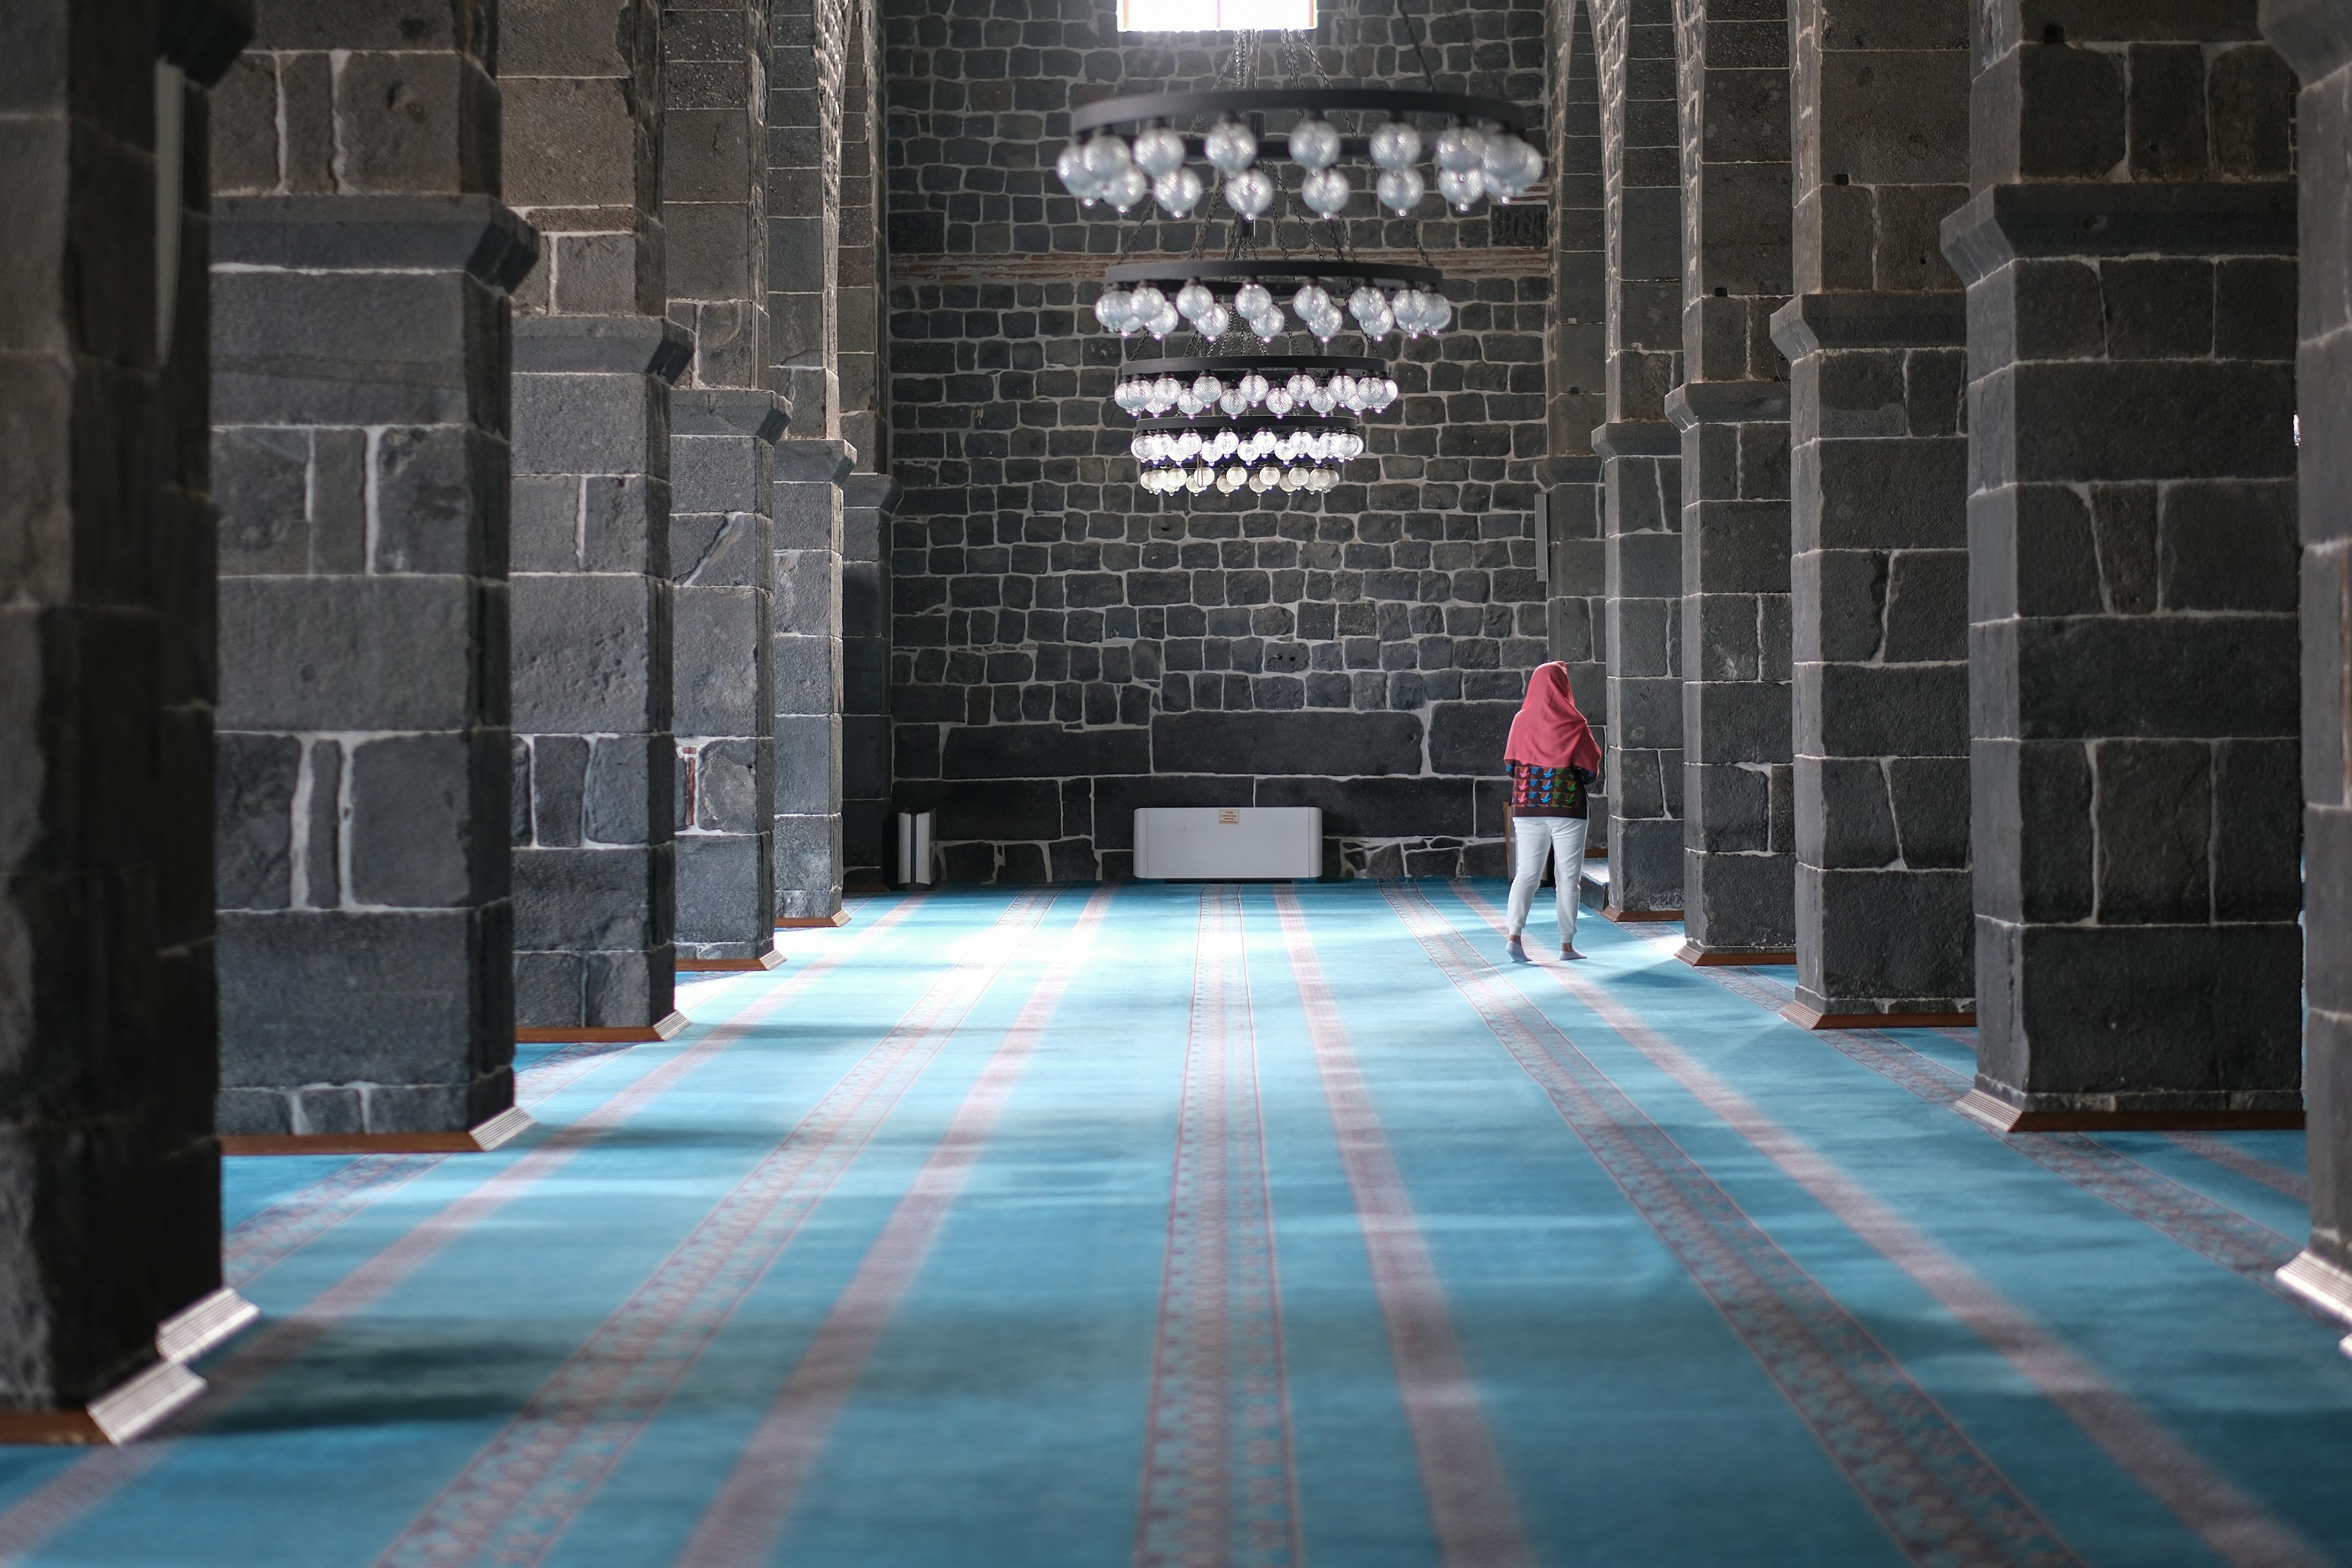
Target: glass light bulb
[(1230, 147), (1189, 405), (1400, 190), (1105, 155), (1460, 148), (1187, 445), (1193, 299), (1439, 311), (1178, 193), (1253, 388), (1396, 145), (1314, 145), (1233, 403), (1214, 322), (1076, 178), (1262, 480), (1324, 192), (1146, 301), (1250, 193), (1231, 479), (1279, 402), (1158, 151), (1123, 189), (1207, 387), (1292, 477), (1200, 479), (1367, 303), (1323, 402), (1113, 309), (1252, 301), (1164, 321), (1269, 326), (1462, 187), (1310, 302)]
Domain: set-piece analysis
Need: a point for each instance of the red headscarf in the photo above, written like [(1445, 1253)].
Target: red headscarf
[(1551, 731)]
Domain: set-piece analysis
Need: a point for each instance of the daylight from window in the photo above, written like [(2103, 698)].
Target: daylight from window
[(1213, 16)]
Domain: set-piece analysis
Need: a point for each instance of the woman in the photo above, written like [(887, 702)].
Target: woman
[(1553, 761)]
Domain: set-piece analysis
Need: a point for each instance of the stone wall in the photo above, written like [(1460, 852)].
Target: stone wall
[(1067, 647)]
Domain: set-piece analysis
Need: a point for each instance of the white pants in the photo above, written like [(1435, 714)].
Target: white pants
[(1530, 838)]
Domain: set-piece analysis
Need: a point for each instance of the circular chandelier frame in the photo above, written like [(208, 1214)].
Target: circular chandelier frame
[(1397, 102), (1195, 365), (1299, 266)]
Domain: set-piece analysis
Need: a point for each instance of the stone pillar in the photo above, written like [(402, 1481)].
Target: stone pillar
[(724, 424), (594, 905), (1641, 457), (869, 851), (362, 260), (109, 1263), (2133, 642), (1733, 412), (810, 42), (809, 475), (1576, 601), (2316, 37), (1874, 340)]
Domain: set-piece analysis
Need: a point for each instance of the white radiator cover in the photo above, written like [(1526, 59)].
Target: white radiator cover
[(1188, 843)]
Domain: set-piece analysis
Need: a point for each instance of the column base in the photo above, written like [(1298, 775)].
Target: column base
[(768, 960), (197, 1328), (1690, 953), (2327, 1286), (1993, 1111), (606, 1034), (113, 1418), (1806, 1016), (801, 923), (497, 1130)]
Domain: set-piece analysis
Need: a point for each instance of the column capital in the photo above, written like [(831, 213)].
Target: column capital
[(2003, 223), (1637, 438), (608, 345), (2313, 36), (469, 232), (1871, 319), (1696, 402), (814, 461)]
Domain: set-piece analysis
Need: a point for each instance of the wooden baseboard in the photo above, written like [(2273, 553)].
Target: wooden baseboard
[(497, 1130), (802, 923), (1727, 959), (605, 1034), (1993, 1111), (1806, 1017), (769, 960), (115, 1417), (2327, 1285), (1629, 917)]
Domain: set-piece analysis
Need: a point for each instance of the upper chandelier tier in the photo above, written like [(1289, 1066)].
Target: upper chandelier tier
[(1475, 149), (1159, 297)]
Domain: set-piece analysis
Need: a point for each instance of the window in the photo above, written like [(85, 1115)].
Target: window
[(1214, 16)]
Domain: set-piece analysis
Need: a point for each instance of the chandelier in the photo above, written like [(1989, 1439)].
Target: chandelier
[(1234, 385), (1474, 151), (1260, 453), (1256, 421), (1161, 297)]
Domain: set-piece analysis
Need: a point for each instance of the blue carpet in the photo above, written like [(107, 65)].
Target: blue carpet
[(1247, 1226)]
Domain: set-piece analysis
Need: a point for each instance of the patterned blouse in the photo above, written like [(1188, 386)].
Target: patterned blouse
[(1548, 792)]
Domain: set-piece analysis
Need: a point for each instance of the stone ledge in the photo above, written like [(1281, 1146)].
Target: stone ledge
[(203, 1324), (1637, 438), (1696, 402), (726, 411), (1812, 322), (476, 234), (815, 462), (115, 1417), (2324, 1284), (2004, 223), (1991, 1110), (874, 492), (610, 345), (481, 1140), (2313, 36)]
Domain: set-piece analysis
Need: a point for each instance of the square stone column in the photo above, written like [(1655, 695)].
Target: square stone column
[(723, 659), (581, 86), (1640, 454), (1879, 617), (109, 1172), (361, 440), (595, 776), (808, 629), (868, 834), (1733, 412), (2132, 639), (2316, 38)]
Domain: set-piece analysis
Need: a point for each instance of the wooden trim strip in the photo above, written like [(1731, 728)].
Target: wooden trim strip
[(1690, 953), (605, 1034), (1633, 917), (802, 923), (769, 960), (479, 1140)]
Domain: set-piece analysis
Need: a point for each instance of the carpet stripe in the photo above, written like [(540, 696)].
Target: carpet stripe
[(739, 1528), (2233, 1524), (2208, 1228), (1940, 1499), (1770, 996), (1471, 1505), (518, 1495), (268, 1238), (1219, 1488), (34, 1519)]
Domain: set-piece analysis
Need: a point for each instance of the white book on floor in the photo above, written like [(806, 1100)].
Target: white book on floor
[(1202, 843)]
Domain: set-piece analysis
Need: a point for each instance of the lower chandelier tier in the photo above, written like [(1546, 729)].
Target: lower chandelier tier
[(1260, 453)]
